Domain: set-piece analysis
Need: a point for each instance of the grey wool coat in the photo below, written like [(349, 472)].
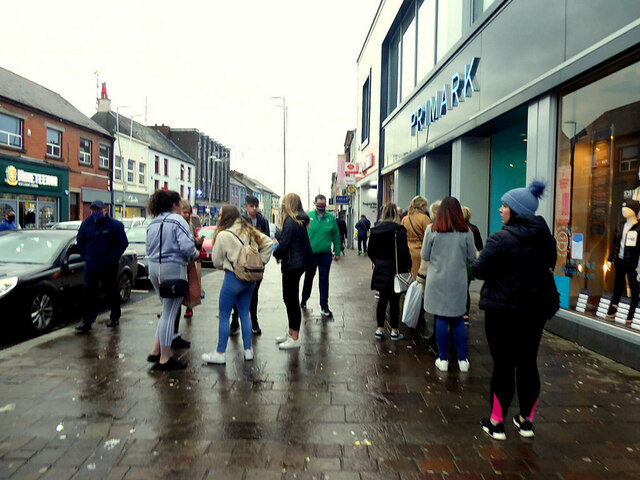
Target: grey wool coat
[(445, 292)]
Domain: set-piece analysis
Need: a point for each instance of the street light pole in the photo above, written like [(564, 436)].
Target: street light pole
[(284, 144)]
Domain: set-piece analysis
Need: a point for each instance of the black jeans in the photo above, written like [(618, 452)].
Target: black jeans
[(628, 270), (362, 243), (323, 264), (253, 310), (291, 296), (388, 296), (97, 284), (513, 340)]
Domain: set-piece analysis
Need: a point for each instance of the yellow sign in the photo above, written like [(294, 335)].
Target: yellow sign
[(11, 175), (351, 189)]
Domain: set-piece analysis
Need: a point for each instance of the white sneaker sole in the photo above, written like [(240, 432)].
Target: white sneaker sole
[(523, 433), (495, 436)]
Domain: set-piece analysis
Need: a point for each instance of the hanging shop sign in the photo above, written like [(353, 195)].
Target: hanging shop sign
[(17, 177), (342, 199), (351, 189), (351, 168), (447, 98)]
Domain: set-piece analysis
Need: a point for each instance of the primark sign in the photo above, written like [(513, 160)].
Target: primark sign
[(447, 98)]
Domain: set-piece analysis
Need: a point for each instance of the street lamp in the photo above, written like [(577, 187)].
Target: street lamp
[(284, 144)]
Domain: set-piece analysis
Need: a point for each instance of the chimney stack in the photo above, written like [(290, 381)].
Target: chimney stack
[(104, 103)]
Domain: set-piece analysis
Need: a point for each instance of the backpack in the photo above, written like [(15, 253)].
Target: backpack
[(249, 266)]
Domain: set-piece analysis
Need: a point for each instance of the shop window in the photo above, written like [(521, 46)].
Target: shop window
[(54, 141), (105, 155), (366, 105), (142, 175), (117, 169), (10, 131), (84, 154), (131, 171), (597, 170)]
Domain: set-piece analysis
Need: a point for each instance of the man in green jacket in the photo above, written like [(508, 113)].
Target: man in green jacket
[(323, 231)]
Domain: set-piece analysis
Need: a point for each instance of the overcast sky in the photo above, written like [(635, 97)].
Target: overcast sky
[(212, 65)]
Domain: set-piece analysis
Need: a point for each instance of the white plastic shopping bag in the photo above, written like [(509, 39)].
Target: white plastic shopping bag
[(412, 305)]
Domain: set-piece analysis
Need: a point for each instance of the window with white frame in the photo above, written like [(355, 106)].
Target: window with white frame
[(142, 174), (85, 151), (105, 154), (54, 142), (131, 171), (10, 131), (117, 168)]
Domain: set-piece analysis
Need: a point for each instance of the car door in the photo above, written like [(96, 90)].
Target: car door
[(73, 273)]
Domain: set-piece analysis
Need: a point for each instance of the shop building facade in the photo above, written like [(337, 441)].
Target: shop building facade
[(471, 98), (54, 139)]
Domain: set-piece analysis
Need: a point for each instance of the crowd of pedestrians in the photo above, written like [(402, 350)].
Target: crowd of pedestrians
[(436, 246)]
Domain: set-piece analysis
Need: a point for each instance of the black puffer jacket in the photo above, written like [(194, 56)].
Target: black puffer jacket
[(517, 264), (382, 252), (631, 253), (294, 248)]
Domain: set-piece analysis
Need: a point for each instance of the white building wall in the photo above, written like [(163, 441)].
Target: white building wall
[(136, 151), (182, 181)]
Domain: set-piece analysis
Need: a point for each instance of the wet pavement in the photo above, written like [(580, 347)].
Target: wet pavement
[(345, 406)]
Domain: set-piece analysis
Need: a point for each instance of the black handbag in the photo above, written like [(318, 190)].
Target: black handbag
[(174, 287)]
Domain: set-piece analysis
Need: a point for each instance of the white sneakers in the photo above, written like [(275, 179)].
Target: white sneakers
[(283, 338), (248, 354), (214, 357), (442, 365), (463, 365), (289, 344)]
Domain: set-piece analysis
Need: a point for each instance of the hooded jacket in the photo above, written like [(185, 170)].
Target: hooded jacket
[(517, 264), (294, 248), (382, 252), (178, 246), (101, 243), (261, 223)]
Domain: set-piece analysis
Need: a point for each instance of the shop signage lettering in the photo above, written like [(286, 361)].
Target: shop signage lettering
[(17, 177), (449, 97)]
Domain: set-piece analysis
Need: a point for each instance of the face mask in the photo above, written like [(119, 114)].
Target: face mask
[(97, 215), (321, 209), (11, 218)]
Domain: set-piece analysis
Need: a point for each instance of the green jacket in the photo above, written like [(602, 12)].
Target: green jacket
[(323, 232)]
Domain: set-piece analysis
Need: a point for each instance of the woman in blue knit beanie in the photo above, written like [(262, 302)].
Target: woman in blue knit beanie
[(518, 296)]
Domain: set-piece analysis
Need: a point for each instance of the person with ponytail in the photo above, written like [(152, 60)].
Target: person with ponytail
[(518, 296)]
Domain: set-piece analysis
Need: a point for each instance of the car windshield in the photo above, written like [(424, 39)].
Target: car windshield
[(207, 233), (32, 248), (137, 235)]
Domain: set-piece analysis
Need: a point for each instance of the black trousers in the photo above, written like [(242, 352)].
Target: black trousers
[(291, 296), (97, 284), (388, 296), (628, 270), (513, 342), (253, 310)]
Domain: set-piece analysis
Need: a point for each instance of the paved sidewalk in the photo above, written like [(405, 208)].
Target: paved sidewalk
[(343, 407)]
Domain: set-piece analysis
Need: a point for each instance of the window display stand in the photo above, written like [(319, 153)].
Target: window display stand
[(623, 311), (583, 298), (603, 306)]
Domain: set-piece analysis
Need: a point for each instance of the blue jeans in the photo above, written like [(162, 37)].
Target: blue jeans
[(362, 242), (323, 264), (459, 335), (234, 292)]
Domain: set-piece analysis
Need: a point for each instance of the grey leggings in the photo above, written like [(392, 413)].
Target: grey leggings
[(170, 306)]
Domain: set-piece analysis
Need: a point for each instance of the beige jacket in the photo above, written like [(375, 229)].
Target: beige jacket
[(226, 248)]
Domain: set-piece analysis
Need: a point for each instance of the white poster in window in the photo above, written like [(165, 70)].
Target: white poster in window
[(563, 195), (577, 246)]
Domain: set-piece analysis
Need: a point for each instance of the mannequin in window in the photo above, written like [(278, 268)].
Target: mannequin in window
[(624, 254)]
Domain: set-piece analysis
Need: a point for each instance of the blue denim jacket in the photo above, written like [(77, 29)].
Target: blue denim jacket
[(178, 246)]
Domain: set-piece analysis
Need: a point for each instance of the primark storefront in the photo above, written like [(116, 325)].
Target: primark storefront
[(473, 98)]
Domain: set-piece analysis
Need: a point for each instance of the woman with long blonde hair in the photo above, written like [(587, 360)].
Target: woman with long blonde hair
[(416, 223), (295, 256), (232, 234)]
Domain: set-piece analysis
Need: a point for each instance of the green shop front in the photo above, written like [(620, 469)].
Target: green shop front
[(36, 191)]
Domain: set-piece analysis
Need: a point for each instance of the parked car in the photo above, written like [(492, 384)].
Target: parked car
[(207, 247), (131, 222), (71, 225), (137, 237), (42, 274)]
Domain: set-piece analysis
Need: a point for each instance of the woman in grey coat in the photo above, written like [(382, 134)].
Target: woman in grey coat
[(448, 247)]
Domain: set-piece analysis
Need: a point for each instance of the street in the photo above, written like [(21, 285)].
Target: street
[(345, 406)]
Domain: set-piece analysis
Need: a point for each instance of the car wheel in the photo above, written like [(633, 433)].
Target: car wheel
[(125, 284), (41, 311)]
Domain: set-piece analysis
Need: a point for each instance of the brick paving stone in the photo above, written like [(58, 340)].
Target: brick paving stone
[(290, 411)]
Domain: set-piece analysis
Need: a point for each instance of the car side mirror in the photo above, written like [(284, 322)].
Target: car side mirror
[(74, 258)]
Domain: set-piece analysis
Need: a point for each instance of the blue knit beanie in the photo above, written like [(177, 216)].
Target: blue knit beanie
[(524, 201)]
